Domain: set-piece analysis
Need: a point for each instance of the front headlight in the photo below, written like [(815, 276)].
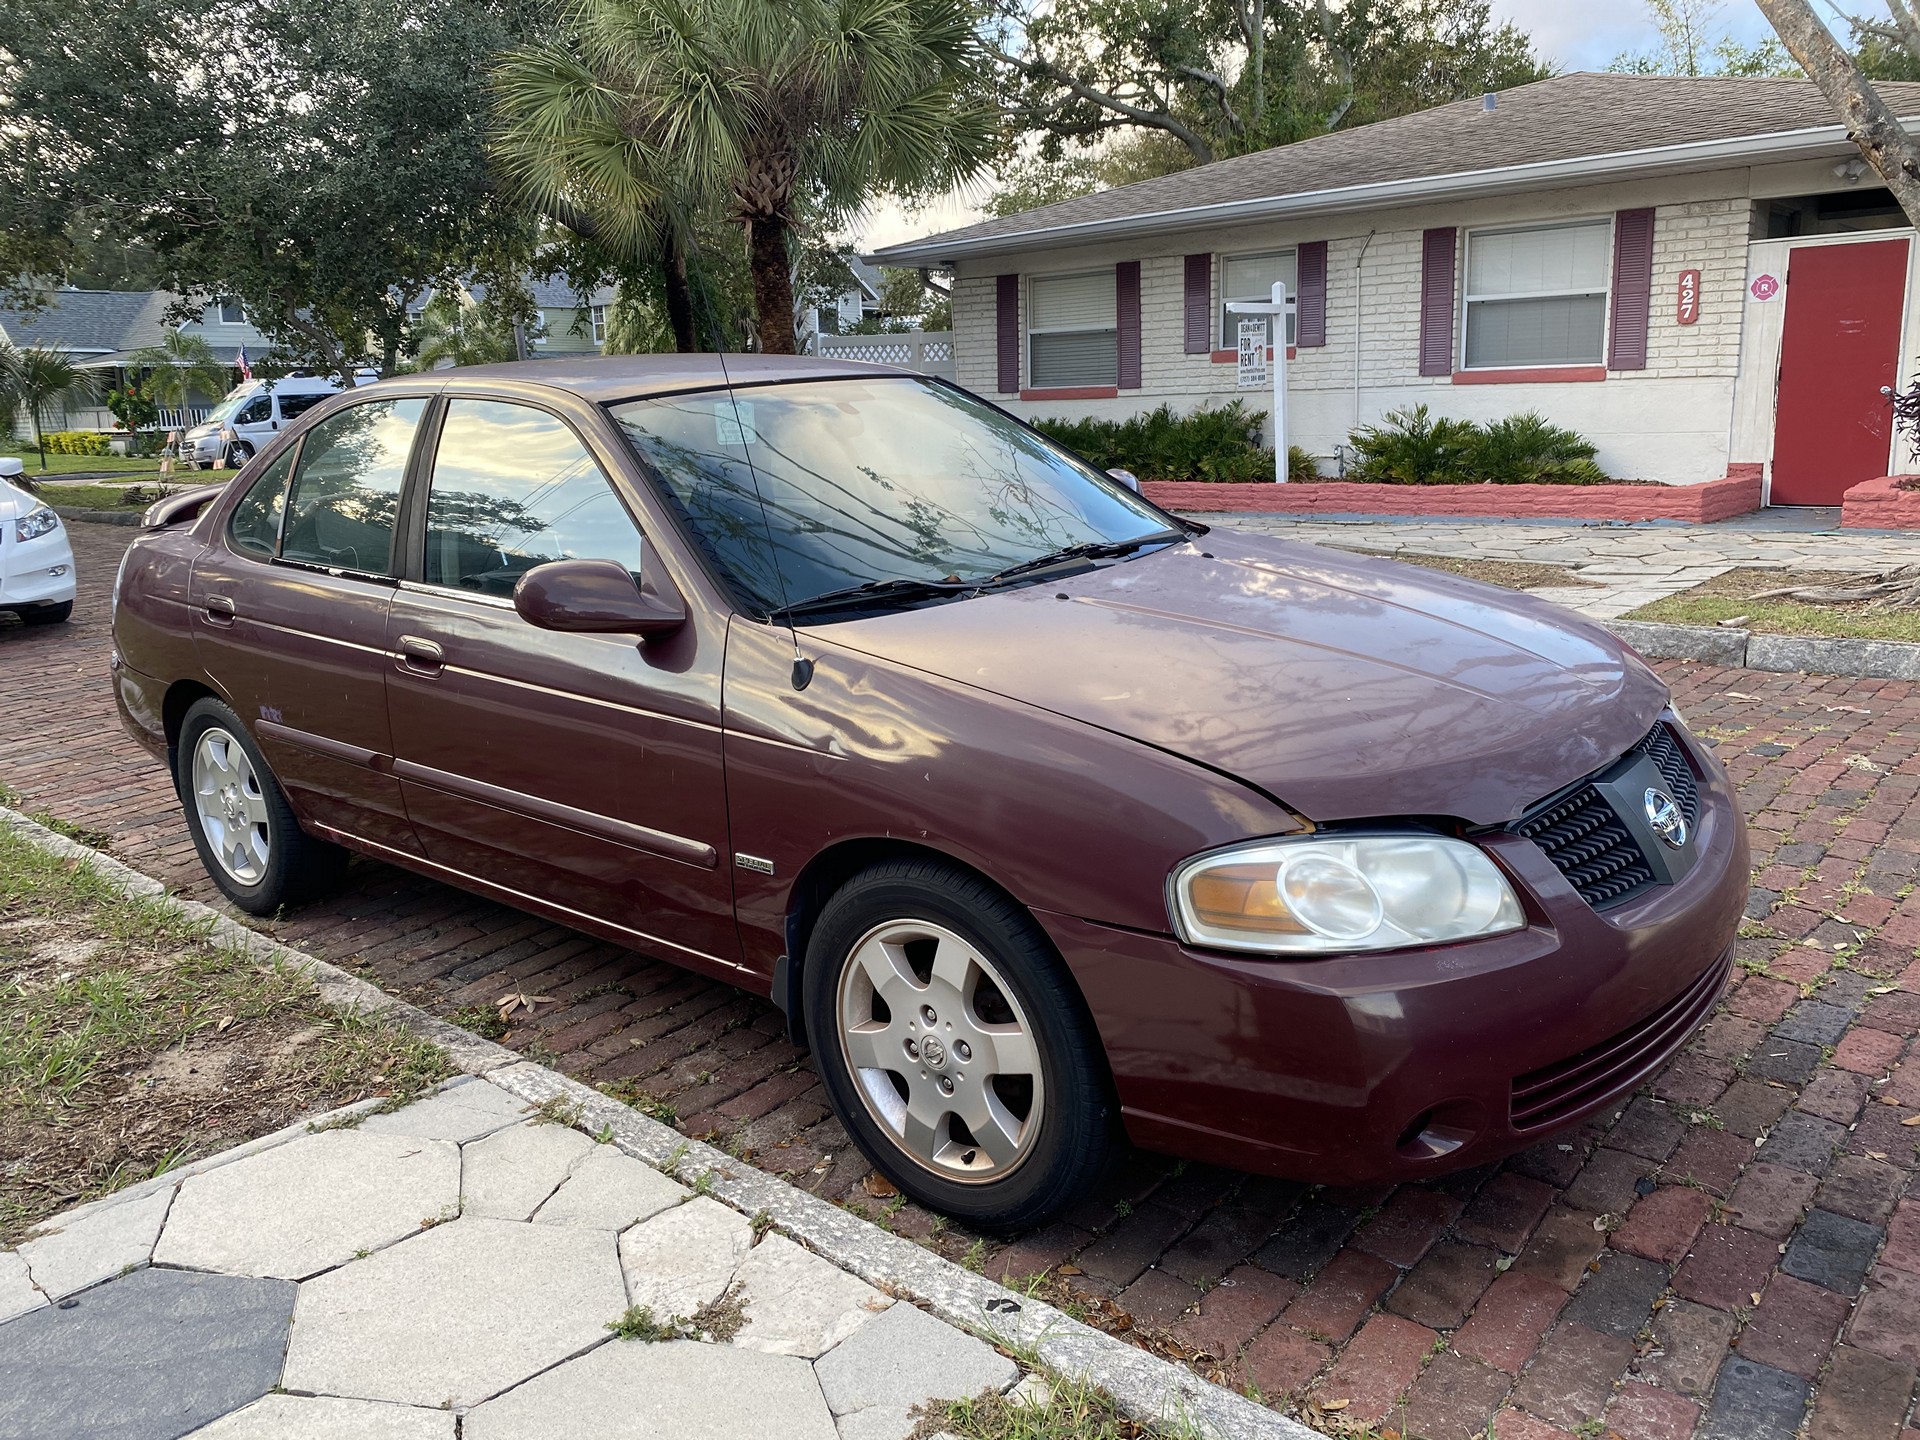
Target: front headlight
[(35, 523), (1333, 895)]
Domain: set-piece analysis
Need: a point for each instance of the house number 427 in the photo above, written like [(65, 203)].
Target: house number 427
[(1689, 310)]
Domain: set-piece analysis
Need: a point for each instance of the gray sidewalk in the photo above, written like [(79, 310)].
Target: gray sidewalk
[(1626, 566), (382, 1275)]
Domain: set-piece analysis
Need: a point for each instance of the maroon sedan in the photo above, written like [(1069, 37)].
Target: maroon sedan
[(1041, 813)]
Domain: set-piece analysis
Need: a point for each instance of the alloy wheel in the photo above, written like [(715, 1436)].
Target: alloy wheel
[(232, 809), (941, 1053)]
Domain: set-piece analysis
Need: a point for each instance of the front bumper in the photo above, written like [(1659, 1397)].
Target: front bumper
[(1352, 1070)]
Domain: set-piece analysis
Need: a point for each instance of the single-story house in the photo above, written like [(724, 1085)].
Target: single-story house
[(1692, 272), (101, 329)]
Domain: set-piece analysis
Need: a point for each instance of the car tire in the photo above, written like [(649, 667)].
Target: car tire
[(239, 454), (241, 824), (47, 614), (985, 1022)]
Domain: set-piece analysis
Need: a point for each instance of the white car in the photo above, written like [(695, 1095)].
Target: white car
[(36, 562)]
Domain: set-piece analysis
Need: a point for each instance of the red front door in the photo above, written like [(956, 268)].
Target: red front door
[(1834, 428)]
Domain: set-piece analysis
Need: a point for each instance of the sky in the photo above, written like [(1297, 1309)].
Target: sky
[(1573, 34)]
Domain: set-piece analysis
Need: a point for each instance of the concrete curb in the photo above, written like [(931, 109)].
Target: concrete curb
[(100, 517), (1784, 654), (1145, 1387)]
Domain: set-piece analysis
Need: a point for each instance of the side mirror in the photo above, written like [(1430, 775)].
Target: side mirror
[(1127, 478), (599, 597)]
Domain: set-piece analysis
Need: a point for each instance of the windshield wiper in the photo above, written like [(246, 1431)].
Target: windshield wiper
[(1090, 550), (873, 590)]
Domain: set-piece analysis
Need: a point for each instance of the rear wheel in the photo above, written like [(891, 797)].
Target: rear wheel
[(241, 824), (47, 614), (955, 1047)]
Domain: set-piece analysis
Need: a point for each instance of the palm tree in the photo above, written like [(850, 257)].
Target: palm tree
[(453, 331), (182, 366), (769, 103), (37, 380)]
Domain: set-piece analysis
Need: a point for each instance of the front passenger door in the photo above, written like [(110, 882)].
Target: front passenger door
[(582, 770)]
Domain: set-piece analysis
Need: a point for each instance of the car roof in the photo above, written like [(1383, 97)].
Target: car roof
[(601, 379)]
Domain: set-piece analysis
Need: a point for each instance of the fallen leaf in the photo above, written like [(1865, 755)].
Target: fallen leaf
[(226, 1023), (1742, 695), (1911, 1120), (1068, 1270), (1756, 1296), (1334, 1407), (520, 1000), (1876, 1154), (878, 1186)]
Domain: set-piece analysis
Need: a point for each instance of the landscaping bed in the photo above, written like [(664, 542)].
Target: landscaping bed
[(1617, 503), (1728, 597), (1509, 574), (129, 1043)]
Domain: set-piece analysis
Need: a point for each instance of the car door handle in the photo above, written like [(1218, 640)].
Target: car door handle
[(219, 610), (422, 656)]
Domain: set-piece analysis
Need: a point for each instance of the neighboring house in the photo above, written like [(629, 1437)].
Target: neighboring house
[(1691, 272), (100, 330), (844, 311), (570, 323)]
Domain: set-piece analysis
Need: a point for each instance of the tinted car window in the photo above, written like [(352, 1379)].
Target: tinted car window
[(869, 480), (346, 489), (255, 526), (513, 488), (255, 412), (294, 405)]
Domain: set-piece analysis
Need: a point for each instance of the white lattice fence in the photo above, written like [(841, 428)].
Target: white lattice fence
[(928, 351)]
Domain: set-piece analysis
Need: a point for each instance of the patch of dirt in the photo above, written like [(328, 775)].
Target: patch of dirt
[(1508, 574), (1728, 598)]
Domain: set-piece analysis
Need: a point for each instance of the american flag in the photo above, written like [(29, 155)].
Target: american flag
[(246, 368)]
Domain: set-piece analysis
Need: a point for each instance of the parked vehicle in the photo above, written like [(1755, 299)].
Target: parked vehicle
[(250, 416), (36, 559), (1042, 814)]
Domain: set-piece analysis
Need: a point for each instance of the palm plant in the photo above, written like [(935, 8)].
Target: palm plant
[(38, 380), (771, 104), (182, 366), (454, 332)]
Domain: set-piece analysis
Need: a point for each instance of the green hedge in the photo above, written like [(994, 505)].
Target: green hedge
[(76, 442), (1415, 447), (1214, 443)]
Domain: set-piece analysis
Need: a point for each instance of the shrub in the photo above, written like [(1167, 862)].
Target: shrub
[(1525, 449), (1412, 447), (76, 442), (1216, 443)]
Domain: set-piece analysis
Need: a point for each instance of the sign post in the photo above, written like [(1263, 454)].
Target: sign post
[(1276, 311)]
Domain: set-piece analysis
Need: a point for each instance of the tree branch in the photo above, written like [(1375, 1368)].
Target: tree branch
[(1207, 77), (1156, 120)]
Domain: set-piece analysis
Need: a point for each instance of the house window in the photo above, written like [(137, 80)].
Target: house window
[(1251, 277), (1537, 297), (231, 313), (598, 318), (1071, 335)]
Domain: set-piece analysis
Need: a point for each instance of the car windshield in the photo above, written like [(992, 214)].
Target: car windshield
[(867, 482), (223, 412)]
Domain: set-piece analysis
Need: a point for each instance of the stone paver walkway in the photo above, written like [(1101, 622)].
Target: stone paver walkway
[(1606, 1278), (457, 1263), (1626, 566)]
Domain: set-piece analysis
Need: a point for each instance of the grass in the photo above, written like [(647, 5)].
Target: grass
[(1073, 1409), (129, 1042), (1726, 597), (133, 467), (98, 497), (1509, 574)]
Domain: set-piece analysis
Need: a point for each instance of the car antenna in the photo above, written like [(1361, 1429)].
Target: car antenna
[(802, 666)]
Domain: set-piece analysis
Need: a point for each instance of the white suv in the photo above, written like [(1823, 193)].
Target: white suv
[(249, 417), (36, 562)]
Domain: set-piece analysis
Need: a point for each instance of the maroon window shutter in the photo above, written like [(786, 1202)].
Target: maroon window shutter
[(1632, 290), (1310, 309), (1436, 302), (1126, 321), (1007, 322), (1199, 297)]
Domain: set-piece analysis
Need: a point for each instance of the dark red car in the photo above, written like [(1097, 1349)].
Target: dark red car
[(1041, 813)]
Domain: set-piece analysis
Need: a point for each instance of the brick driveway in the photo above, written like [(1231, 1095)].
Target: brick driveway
[(1735, 1246)]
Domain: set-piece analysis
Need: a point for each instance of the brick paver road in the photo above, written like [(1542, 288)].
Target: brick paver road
[(1738, 1245)]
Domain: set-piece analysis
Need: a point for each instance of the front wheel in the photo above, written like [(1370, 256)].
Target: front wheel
[(955, 1047), (239, 818)]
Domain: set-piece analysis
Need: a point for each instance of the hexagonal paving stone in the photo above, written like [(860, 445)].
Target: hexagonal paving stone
[(607, 1190), (679, 1261), (458, 1111), (310, 1204), (904, 1358), (149, 1356), (681, 1390), (322, 1417), (509, 1175), (798, 1304), (457, 1314), (102, 1243)]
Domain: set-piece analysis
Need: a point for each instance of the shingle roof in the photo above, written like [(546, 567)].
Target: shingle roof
[(1570, 117), (91, 320)]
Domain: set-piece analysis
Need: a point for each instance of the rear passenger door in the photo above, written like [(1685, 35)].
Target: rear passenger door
[(290, 615), (583, 770)]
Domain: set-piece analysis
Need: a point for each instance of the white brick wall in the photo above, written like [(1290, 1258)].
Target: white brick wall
[(1669, 422)]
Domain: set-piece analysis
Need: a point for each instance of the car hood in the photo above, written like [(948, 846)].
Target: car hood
[(14, 501), (1345, 687)]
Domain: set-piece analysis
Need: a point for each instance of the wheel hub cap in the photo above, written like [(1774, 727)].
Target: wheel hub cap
[(944, 1059), (231, 806)]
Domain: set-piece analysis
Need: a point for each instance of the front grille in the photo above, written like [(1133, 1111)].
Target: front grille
[(1580, 833), (1557, 1093)]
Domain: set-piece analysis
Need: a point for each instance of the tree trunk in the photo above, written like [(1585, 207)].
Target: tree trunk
[(772, 282), (1874, 127), (679, 288)]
